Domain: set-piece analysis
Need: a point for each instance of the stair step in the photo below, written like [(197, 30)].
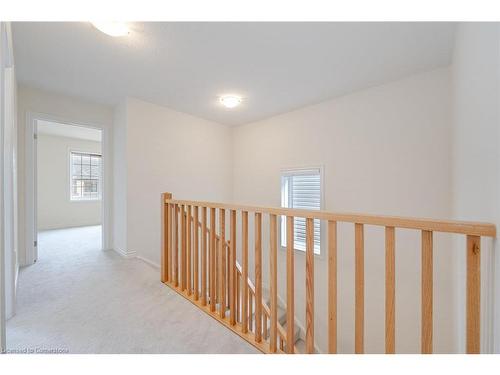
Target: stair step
[(281, 315), (281, 311), (296, 332), (300, 346)]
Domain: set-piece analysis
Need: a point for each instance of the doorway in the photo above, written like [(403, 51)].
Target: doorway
[(68, 187), (66, 184)]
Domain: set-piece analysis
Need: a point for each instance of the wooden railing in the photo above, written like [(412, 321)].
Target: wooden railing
[(199, 262)]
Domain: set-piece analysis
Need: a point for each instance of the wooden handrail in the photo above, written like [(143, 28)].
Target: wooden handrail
[(255, 320), (433, 225)]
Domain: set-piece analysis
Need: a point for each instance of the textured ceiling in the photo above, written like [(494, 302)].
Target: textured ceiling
[(276, 67)]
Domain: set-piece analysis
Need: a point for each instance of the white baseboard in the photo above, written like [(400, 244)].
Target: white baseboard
[(125, 254), (150, 262), (133, 255)]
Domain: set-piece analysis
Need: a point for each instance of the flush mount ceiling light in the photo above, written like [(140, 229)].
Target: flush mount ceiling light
[(112, 28), (230, 101)]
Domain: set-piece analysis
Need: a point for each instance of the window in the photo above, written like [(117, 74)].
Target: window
[(301, 188), (85, 183)]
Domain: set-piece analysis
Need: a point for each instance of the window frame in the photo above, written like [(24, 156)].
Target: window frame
[(322, 226), (70, 176)]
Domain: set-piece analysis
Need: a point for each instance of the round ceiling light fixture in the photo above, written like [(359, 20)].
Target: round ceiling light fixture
[(230, 101), (112, 28)]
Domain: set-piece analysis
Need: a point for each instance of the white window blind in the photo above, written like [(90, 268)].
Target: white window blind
[(301, 189)]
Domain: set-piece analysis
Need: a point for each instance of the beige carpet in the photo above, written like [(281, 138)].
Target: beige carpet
[(79, 299)]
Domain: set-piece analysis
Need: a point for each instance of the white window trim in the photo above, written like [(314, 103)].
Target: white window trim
[(296, 170), (79, 151)]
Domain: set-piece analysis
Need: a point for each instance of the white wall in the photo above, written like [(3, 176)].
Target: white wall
[(166, 151), (476, 158), (55, 209), (64, 109), (10, 193), (120, 178), (8, 180), (385, 150)]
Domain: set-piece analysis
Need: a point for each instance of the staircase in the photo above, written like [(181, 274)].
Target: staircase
[(298, 341), (199, 262), (281, 317)]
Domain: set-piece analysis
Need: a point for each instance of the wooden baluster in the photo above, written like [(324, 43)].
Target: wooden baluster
[(258, 277), (232, 270), (196, 282), (212, 286), (473, 295), (244, 271), (309, 285), (227, 272), (250, 312), (390, 291), (427, 286), (332, 287), (238, 296), (360, 289), (219, 271), (222, 263), (216, 275), (164, 240), (170, 242), (188, 249), (264, 327), (183, 248), (204, 234), (273, 274), (165, 243), (290, 270), (175, 252)]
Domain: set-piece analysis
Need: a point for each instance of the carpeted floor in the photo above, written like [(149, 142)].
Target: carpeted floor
[(80, 299)]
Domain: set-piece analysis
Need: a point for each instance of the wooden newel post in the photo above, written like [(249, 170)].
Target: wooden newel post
[(166, 234)]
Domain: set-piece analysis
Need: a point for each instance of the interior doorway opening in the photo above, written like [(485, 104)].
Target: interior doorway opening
[(65, 183), (68, 183)]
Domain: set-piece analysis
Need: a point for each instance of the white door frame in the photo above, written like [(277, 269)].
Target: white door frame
[(30, 179)]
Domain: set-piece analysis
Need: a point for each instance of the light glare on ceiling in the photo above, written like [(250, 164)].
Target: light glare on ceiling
[(230, 101), (112, 28)]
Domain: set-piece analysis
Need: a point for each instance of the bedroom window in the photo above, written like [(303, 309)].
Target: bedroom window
[(301, 188), (85, 176)]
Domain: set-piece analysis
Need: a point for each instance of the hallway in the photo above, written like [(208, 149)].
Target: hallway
[(79, 299)]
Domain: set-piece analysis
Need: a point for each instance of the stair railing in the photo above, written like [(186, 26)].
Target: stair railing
[(200, 264)]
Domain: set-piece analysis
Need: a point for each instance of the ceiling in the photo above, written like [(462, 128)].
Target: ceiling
[(276, 67), (69, 131)]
